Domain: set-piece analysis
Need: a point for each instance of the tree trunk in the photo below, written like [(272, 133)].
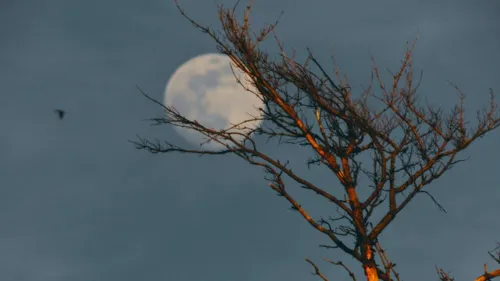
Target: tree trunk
[(369, 266), (370, 273)]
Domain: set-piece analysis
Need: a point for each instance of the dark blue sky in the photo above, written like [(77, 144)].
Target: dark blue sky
[(79, 203)]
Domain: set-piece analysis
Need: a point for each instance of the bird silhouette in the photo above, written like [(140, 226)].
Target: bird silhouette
[(60, 113)]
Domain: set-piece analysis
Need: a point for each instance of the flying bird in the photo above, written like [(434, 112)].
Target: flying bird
[(60, 113)]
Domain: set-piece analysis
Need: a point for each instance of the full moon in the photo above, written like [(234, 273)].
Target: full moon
[(205, 89)]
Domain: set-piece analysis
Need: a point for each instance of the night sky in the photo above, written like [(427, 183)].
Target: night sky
[(78, 202)]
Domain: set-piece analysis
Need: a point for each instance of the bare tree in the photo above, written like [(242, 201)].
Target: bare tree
[(410, 145)]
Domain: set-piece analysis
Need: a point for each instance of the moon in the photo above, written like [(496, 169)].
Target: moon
[(205, 89)]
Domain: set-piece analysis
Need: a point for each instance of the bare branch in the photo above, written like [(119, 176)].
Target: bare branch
[(488, 275), (316, 270), (339, 263), (411, 144)]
